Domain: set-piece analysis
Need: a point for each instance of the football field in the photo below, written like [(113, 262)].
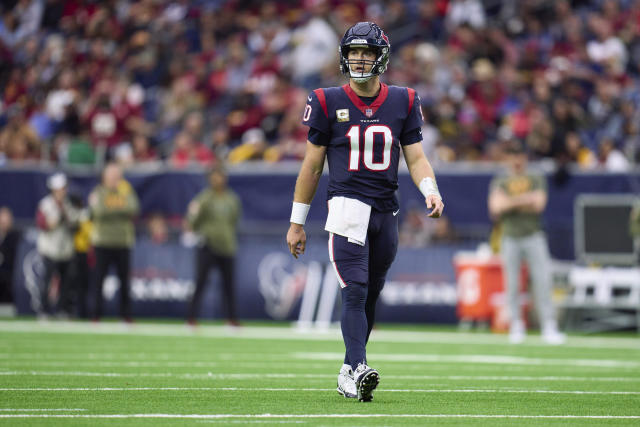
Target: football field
[(74, 373)]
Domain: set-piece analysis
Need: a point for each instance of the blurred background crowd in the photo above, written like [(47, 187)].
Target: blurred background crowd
[(157, 82)]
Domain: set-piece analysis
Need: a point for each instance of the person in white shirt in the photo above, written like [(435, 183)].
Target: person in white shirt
[(56, 218)]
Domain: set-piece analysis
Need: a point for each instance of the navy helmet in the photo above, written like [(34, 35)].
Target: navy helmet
[(370, 35)]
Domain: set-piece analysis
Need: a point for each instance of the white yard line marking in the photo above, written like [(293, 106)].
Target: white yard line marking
[(332, 357), (285, 333), (160, 389), (124, 364), (280, 416), (473, 358), (41, 409), (319, 376), (317, 389)]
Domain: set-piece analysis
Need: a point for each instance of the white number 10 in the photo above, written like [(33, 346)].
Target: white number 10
[(369, 134)]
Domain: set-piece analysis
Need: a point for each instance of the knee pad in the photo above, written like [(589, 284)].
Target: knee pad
[(354, 296)]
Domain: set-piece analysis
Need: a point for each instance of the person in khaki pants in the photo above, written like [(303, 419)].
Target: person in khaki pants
[(113, 205), (517, 199)]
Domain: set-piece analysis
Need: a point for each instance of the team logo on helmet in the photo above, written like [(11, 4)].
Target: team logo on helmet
[(365, 34)]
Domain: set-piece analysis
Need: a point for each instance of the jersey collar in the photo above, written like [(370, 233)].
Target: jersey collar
[(360, 105)]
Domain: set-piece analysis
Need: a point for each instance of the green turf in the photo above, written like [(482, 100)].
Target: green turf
[(49, 369)]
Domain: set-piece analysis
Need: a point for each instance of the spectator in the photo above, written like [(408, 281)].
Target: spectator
[(123, 155), (577, 153), (610, 158), (143, 152), (315, 47), (188, 152), (78, 68), (465, 12), (9, 240), (56, 218), (79, 273), (60, 99), (158, 230), (606, 50), (214, 215), (80, 151), (252, 148), (22, 22), (113, 205), (18, 141)]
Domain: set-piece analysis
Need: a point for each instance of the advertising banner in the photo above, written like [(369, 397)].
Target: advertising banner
[(270, 283)]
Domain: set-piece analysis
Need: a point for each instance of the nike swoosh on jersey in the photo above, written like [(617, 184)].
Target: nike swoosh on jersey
[(309, 98), (396, 212)]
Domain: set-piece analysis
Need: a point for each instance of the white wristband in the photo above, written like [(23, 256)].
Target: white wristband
[(299, 213), (428, 187)]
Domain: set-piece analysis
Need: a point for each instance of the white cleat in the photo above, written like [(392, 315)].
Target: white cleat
[(517, 332), (366, 379), (553, 337), (346, 383)]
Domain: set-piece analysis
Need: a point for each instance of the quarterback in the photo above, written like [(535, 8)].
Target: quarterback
[(360, 128)]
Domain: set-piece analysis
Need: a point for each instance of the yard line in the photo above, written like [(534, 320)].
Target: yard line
[(579, 392), (390, 358), (476, 358), (131, 364), (160, 389), (187, 364), (294, 416), (40, 409), (288, 333), (210, 375)]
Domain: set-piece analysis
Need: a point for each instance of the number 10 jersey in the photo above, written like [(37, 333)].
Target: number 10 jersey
[(363, 141)]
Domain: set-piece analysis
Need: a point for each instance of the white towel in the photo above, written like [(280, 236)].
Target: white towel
[(349, 218)]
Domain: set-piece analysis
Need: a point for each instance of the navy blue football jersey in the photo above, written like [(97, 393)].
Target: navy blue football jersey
[(363, 141)]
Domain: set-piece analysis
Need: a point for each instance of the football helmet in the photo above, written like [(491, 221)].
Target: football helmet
[(365, 34)]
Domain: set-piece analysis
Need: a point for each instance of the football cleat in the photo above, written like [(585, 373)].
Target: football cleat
[(551, 334), (346, 383), (366, 379), (517, 332)]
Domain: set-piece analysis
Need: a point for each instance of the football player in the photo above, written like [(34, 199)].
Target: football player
[(360, 128)]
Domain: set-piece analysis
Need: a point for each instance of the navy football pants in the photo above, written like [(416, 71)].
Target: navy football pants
[(361, 273)]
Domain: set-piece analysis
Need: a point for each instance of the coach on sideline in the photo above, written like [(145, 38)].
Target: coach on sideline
[(113, 205), (213, 214)]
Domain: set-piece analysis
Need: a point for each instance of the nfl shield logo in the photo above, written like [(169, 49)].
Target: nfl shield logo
[(368, 112)]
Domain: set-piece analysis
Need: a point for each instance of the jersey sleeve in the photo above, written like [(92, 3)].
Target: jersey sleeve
[(318, 138), (315, 112), (411, 137), (414, 118)]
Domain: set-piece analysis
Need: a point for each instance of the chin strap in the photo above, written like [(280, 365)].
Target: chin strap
[(361, 79)]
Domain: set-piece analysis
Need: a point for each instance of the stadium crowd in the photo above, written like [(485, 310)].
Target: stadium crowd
[(199, 82)]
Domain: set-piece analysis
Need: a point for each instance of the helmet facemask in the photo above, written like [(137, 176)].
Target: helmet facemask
[(375, 67)]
